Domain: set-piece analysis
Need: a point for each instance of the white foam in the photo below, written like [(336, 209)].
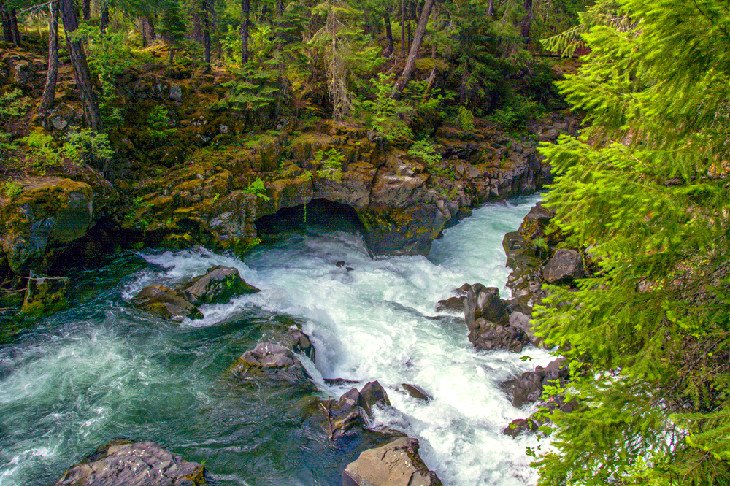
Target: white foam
[(378, 322)]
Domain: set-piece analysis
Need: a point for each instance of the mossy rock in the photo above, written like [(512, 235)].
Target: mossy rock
[(45, 295), (218, 286)]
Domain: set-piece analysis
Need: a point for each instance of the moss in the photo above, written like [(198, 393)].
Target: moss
[(198, 477)]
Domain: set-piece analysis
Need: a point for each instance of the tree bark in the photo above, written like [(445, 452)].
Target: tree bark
[(14, 31), (103, 15), (81, 68), (413, 54), (49, 92), (86, 9), (148, 30), (389, 35), (403, 28), (280, 7), (245, 25), (206, 22), (527, 21), (490, 8), (7, 26)]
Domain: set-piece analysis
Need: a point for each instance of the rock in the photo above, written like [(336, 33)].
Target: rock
[(417, 392), (564, 267), (59, 123), (484, 302), (488, 319), (299, 342), (41, 221), (340, 381), (128, 463), (218, 286), (456, 302), (273, 361), (166, 303), (394, 464), (45, 295), (534, 224), (373, 394), (520, 426), (527, 388), (353, 409), (176, 93)]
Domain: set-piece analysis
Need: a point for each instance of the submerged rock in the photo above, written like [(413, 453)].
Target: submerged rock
[(218, 286), (353, 409), (273, 361), (133, 463), (394, 464), (417, 392), (45, 295), (166, 302)]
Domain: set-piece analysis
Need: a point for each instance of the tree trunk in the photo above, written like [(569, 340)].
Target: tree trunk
[(81, 68), (409, 14), (206, 24), (245, 24), (49, 92), (7, 26), (14, 31), (403, 28), (280, 7), (413, 54), (148, 30), (104, 15), (490, 8), (527, 21), (86, 9), (389, 34)]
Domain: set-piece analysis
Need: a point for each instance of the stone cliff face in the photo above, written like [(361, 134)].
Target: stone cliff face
[(403, 204)]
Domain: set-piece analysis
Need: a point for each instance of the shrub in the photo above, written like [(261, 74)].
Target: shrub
[(12, 189), (89, 147), (330, 164), (258, 189), (465, 119)]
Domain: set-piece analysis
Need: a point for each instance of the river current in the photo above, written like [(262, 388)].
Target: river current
[(103, 370)]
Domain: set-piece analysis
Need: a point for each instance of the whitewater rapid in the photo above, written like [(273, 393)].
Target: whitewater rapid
[(378, 321), (104, 370)]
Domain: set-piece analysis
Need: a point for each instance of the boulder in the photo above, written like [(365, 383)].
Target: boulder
[(417, 392), (218, 286), (299, 342), (133, 463), (166, 302), (520, 426), (456, 302), (488, 319), (272, 361), (394, 464), (534, 224), (527, 388), (564, 267), (45, 295), (353, 409), (42, 220)]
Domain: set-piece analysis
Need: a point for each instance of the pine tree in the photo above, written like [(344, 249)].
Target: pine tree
[(645, 191)]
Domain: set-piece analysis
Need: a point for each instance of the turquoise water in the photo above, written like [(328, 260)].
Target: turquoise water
[(102, 370)]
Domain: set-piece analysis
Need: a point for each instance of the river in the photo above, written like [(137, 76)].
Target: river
[(103, 370)]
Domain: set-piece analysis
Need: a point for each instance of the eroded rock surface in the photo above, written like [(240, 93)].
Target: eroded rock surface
[(218, 286), (47, 215), (394, 464), (353, 410), (123, 463), (167, 303), (490, 323), (273, 361)]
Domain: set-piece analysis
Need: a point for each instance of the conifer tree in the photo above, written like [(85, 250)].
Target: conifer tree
[(645, 191)]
